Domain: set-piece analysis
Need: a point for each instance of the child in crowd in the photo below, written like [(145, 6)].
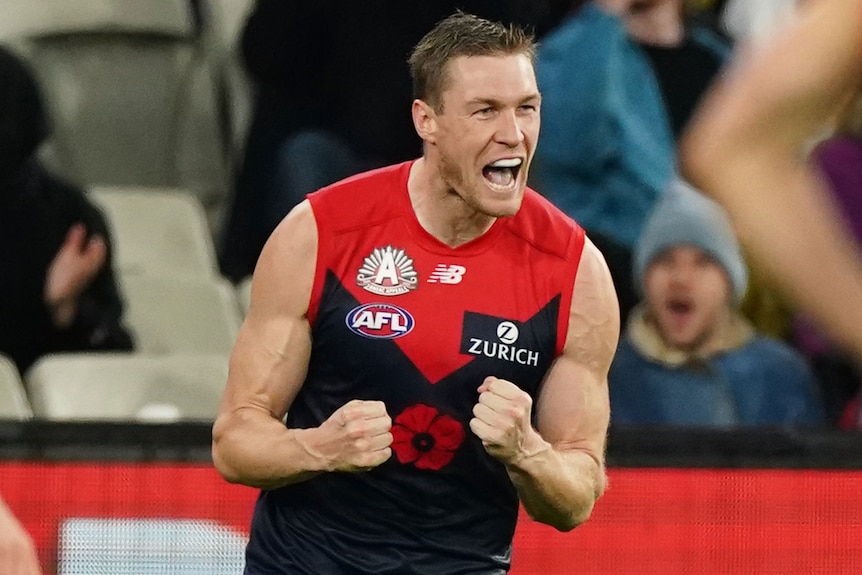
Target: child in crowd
[(688, 356)]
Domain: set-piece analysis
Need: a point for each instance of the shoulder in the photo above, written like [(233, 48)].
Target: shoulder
[(284, 274), (763, 344), (778, 357), (546, 227), (64, 201), (594, 312), (297, 233), (363, 197), (392, 175), (585, 41)]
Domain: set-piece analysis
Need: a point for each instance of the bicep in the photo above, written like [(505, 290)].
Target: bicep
[(572, 410), (270, 357)]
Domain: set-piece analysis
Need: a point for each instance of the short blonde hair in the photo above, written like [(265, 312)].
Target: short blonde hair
[(461, 34)]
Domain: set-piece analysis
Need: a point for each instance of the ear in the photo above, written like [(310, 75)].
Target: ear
[(424, 120)]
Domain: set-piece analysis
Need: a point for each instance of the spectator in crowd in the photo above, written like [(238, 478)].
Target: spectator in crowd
[(17, 552), (688, 357), (619, 81), (333, 95), (58, 291)]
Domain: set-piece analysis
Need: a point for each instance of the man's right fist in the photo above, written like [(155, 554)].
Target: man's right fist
[(355, 438)]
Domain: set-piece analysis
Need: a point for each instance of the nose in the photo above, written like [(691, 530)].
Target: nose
[(681, 272), (509, 129)]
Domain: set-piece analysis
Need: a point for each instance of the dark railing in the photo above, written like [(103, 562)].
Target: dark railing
[(627, 447)]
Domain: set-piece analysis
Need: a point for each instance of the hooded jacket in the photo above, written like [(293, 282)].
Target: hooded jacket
[(36, 212)]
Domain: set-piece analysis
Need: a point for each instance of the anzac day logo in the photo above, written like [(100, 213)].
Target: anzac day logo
[(387, 271)]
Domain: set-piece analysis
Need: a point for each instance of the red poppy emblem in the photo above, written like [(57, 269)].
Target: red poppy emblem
[(425, 437)]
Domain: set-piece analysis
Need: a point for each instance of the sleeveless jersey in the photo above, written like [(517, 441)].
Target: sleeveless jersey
[(400, 317)]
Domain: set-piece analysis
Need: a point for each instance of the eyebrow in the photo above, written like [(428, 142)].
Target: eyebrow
[(494, 102)]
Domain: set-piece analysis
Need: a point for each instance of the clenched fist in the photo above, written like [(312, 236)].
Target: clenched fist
[(355, 438), (502, 421)]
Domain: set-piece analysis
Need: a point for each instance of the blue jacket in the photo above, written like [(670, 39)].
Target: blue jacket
[(763, 382), (606, 150)]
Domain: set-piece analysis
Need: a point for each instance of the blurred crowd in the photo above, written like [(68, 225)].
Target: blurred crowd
[(308, 93)]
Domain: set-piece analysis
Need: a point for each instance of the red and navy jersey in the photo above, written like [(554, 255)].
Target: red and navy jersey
[(400, 317)]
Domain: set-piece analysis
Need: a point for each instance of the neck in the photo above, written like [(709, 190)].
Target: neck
[(714, 340), (441, 211)]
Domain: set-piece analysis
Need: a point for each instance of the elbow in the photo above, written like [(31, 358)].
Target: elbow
[(566, 522), (578, 516), (220, 458), (582, 509), (226, 471)]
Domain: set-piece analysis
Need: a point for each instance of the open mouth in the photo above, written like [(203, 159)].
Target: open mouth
[(640, 6), (502, 174), (680, 309), (679, 306)]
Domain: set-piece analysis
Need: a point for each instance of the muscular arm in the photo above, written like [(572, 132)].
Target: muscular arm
[(746, 147), (558, 468), (251, 444)]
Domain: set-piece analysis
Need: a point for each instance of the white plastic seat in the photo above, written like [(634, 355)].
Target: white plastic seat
[(13, 400), (169, 314), (158, 231), (127, 386), (131, 94), (223, 25)]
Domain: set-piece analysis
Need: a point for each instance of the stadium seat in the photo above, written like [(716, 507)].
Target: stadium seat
[(223, 23), (127, 386), (13, 400), (158, 231), (130, 91), (170, 314)]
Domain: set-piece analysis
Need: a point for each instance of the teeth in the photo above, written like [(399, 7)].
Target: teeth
[(506, 163)]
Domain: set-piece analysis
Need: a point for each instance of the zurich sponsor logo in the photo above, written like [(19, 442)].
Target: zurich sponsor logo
[(505, 347), (379, 321)]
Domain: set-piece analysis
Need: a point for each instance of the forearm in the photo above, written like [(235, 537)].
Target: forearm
[(253, 448), (558, 487)]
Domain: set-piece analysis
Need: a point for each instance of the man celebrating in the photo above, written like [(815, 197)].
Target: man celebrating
[(436, 334)]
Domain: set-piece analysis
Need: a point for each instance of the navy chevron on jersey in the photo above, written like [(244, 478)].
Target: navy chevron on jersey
[(398, 316)]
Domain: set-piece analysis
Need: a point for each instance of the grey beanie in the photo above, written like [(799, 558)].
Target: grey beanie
[(685, 216)]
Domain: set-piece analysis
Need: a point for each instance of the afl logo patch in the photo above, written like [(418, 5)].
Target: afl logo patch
[(379, 321)]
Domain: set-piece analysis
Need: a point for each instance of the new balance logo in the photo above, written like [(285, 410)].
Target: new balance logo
[(447, 274)]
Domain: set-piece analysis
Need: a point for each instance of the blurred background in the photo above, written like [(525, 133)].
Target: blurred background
[(191, 127)]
